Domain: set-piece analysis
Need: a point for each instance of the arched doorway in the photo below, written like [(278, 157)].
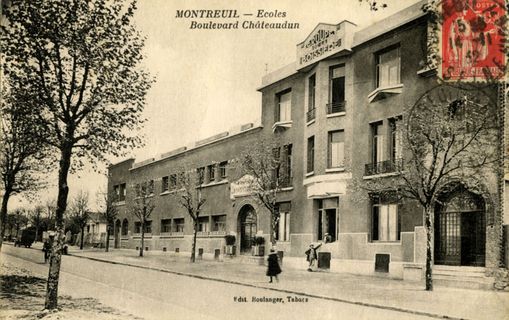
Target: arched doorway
[(460, 229), (116, 232), (247, 228)]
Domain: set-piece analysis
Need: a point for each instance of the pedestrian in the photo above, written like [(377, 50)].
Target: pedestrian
[(273, 268), (311, 255), (46, 248)]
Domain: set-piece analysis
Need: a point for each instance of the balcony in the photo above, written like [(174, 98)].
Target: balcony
[(336, 107), (311, 115), (284, 182), (383, 167)]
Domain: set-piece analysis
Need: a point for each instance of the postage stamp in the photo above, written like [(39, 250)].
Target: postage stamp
[(473, 40)]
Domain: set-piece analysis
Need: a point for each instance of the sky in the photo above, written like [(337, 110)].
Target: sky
[(206, 80)]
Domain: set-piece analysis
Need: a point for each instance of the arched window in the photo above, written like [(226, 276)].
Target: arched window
[(125, 227)]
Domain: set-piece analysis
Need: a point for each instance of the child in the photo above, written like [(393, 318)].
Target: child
[(273, 268)]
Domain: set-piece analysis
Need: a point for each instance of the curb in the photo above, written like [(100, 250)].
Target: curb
[(310, 295)]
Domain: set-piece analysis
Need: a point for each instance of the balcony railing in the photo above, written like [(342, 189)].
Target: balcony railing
[(336, 107), (311, 114), (382, 167), (284, 182)]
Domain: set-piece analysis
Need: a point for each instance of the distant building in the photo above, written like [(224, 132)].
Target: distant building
[(337, 110)]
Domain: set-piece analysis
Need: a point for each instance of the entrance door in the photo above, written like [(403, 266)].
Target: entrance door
[(248, 228), (460, 231), (327, 218)]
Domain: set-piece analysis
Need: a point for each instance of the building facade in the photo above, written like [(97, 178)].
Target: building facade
[(337, 110)]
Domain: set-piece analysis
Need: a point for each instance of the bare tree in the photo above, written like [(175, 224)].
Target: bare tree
[(109, 211), (80, 213), (189, 183), (267, 164), (143, 205), (20, 220), (79, 63), (36, 219), (449, 136)]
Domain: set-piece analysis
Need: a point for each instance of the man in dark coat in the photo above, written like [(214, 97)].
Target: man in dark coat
[(46, 247), (273, 268)]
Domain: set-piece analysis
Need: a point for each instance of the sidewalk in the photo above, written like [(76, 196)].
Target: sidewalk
[(370, 291)]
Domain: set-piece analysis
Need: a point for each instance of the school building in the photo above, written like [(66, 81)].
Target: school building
[(336, 111)]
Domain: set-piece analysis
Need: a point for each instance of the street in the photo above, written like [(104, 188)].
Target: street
[(157, 295)]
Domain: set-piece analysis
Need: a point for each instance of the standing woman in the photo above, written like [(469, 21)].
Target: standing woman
[(273, 268)]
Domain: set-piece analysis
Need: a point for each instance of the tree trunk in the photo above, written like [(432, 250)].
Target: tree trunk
[(142, 240), (56, 254), (36, 233), (107, 239), (82, 237), (193, 248), (273, 225), (3, 216), (429, 246)]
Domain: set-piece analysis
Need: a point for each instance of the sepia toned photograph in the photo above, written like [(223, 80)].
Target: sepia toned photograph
[(272, 159)]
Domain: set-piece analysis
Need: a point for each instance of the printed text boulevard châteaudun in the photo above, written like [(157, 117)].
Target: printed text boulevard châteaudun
[(232, 14)]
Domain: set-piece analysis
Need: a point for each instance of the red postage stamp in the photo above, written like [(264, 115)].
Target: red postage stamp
[(473, 40)]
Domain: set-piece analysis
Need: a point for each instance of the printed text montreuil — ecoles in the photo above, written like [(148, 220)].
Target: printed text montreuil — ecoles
[(235, 22)]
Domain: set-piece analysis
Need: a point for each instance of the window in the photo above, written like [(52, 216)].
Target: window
[(137, 187), (137, 227), (311, 154), (283, 224), (164, 184), (284, 106), (219, 223), (396, 139), (203, 224), (336, 149), (336, 89), (222, 169), (125, 227), (388, 67), (165, 225), (212, 172), (173, 181), (200, 172), (116, 191), (377, 143), (385, 222), (123, 191), (120, 192), (178, 225), (312, 92), (148, 226), (288, 165), (150, 187)]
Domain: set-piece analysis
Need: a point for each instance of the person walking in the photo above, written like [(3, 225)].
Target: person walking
[(273, 268), (46, 248), (311, 255)]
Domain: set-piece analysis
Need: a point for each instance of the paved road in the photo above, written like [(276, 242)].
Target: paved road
[(157, 295)]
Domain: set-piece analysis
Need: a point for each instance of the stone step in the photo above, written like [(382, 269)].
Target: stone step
[(459, 268), (462, 277), (478, 284), (459, 274)]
